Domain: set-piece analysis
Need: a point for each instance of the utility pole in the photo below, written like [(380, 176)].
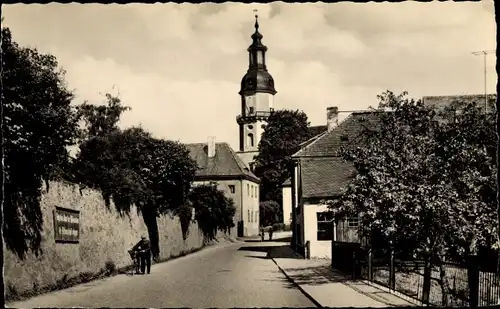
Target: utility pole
[(484, 53)]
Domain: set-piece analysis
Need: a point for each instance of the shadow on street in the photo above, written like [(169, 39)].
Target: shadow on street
[(283, 239)]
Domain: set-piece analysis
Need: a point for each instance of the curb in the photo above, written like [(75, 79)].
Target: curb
[(314, 301), (403, 296), (398, 294)]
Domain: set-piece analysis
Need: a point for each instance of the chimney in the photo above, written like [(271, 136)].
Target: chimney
[(211, 146), (332, 117)]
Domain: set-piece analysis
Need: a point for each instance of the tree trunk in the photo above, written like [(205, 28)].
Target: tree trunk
[(149, 217), (445, 285)]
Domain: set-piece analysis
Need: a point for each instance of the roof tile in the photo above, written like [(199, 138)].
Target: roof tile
[(225, 162)]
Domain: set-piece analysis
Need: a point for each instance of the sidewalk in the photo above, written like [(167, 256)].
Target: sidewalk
[(328, 288)]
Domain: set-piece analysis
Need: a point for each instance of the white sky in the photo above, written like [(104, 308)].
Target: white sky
[(179, 66)]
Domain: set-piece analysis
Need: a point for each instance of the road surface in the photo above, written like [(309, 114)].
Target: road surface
[(226, 276)]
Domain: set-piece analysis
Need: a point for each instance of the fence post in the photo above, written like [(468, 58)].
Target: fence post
[(473, 276), (370, 269), (426, 287), (354, 264), (392, 272)]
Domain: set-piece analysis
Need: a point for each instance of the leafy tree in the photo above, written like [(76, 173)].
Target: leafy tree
[(213, 210), (38, 125), (426, 178), (284, 132), (102, 119), (269, 213), (131, 167)]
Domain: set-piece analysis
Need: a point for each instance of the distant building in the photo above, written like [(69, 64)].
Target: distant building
[(218, 164), (441, 102), (257, 99)]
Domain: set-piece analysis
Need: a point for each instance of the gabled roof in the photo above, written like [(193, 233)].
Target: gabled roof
[(323, 173), (325, 177), (347, 132), (224, 165)]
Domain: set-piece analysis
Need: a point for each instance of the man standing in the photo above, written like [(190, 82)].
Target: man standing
[(143, 247)]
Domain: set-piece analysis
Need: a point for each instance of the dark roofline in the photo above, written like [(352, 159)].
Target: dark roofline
[(224, 177)]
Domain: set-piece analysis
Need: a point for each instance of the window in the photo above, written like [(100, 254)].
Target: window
[(353, 222), (249, 215), (231, 188), (251, 191), (248, 190), (251, 218), (250, 127), (260, 57), (325, 225), (250, 139), (250, 110), (250, 60)]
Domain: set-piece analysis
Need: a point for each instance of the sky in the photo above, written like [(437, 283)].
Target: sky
[(179, 66)]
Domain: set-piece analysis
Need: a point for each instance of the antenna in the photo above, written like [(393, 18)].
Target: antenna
[(484, 53)]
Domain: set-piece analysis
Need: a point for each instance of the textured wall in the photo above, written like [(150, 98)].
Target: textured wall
[(104, 235)]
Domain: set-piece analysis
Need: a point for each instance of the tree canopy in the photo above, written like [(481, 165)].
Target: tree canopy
[(269, 213), (38, 125), (213, 210), (425, 177), (130, 167), (284, 132)]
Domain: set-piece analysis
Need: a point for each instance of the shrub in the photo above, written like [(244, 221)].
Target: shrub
[(110, 267)]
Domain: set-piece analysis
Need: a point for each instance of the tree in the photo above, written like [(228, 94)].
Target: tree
[(213, 210), (269, 213), (284, 132), (131, 167), (39, 125), (425, 178), (101, 120)]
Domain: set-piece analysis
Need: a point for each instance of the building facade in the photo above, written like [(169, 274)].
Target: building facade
[(320, 175), (286, 190), (257, 99), (219, 165)]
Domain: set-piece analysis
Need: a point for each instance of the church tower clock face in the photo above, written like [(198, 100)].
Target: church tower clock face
[(257, 97)]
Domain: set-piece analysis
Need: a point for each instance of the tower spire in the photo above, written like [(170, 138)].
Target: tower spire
[(256, 20)]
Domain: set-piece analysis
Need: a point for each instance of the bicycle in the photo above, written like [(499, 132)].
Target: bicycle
[(135, 262)]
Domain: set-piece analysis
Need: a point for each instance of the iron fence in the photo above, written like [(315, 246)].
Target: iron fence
[(470, 284)]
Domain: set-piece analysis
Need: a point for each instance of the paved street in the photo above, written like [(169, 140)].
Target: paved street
[(233, 275)]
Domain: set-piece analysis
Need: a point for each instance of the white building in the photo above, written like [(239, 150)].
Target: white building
[(319, 175)]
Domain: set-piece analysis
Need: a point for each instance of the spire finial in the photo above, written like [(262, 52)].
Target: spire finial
[(256, 19)]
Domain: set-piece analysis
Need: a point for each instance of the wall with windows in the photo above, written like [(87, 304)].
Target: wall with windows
[(319, 233), (251, 208)]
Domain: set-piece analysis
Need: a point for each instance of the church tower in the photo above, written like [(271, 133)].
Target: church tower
[(257, 99)]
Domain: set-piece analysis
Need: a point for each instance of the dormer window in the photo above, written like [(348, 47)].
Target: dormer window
[(250, 110)]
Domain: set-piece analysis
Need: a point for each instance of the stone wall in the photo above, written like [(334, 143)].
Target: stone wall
[(104, 236)]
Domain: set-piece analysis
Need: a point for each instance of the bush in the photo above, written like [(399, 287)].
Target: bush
[(110, 267)]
